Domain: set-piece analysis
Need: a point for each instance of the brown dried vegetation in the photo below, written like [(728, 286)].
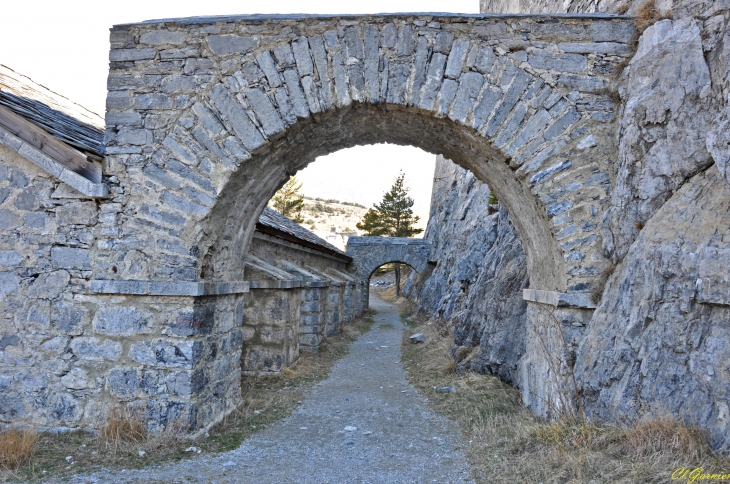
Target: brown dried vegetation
[(507, 444), (647, 14), (17, 446)]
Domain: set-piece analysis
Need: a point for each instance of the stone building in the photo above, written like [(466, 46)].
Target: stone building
[(64, 360)]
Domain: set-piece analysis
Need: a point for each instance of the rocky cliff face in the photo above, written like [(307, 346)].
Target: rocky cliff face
[(659, 338), (480, 275)]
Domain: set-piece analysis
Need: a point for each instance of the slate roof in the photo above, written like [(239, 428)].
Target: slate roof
[(62, 118), (273, 219)]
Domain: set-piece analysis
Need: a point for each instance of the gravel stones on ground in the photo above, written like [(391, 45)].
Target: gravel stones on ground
[(367, 390)]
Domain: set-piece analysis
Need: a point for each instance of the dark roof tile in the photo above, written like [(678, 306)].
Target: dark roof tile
[(272, 218), (63, 119)]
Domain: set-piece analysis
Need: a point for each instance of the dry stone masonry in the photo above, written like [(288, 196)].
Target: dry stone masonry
[(158, 286), (369, 253)]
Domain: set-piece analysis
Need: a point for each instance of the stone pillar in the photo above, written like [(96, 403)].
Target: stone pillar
[(556, 323), (177, 357), (357, 304), (334, 306), (365, 295), (270, 330), (312, 326), (347, 301)]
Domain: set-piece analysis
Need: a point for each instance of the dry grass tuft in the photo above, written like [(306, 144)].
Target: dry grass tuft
[(122, 428), (448, 366), (666, 435), (17, 446), (289, 372), (647, 14)]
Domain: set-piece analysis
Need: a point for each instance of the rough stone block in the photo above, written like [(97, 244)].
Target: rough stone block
[(70, 258), (300, 48), (469, 86), (95, 349), (159, 37), (231, 44), (121, 320), (236, 117), (267, 115), (456, 58), (121, 55), (611, 31), (434, 76)]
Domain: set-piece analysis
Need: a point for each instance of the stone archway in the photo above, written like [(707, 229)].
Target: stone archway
[(234, 105), (369, 253), (207, 118)]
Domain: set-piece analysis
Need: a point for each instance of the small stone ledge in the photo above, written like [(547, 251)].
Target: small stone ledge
[(48, 164), (168, 288), (275, 284), (558, 299), (318, 283), (386, 241)]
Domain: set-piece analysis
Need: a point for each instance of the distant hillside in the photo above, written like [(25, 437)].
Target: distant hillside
[(333, 220)]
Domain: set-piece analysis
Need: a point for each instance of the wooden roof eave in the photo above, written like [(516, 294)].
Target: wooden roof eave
[(51, 155)]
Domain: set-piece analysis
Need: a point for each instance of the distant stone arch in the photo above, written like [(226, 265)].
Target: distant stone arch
[(369, 253)]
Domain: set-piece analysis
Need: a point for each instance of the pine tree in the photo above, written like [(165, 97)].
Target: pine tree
[(288, 201), (392, 217)]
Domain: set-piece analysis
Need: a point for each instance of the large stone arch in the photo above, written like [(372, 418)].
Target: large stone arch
[(208, 117)]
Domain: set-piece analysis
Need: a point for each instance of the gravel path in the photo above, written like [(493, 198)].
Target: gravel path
[(397, 439)]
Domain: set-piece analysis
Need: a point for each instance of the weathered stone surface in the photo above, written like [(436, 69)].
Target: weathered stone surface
[(481, 271), (231, 44), (70, 258), (95, 349), (718, 144), (120, 320), (663, 127), (656, 341)]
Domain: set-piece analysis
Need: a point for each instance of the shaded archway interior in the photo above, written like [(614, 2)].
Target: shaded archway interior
[(233, 219), (394, 261)]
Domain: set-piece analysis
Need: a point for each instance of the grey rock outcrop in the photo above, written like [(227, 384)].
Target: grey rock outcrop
[(480, 275), (660, 339), (663, 127)]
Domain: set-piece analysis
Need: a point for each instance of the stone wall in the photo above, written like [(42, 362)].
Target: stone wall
[(68, 356), (44, 252), (299, 296)]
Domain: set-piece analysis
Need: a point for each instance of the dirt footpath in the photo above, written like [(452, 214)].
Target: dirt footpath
[(363, 424)]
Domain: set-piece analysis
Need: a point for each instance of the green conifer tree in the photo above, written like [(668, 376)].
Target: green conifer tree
[(392, 217), (288, 201)]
